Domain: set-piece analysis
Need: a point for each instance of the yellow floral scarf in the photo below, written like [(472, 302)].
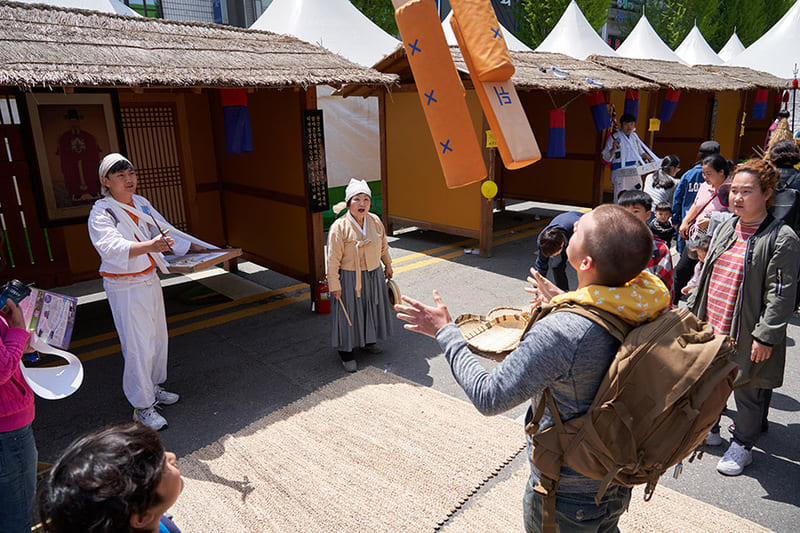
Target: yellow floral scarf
[(640, 300)]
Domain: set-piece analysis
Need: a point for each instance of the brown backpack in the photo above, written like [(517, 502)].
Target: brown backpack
[(662, 393)]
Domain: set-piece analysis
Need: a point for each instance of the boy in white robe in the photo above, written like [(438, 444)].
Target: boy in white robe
[(624, 149), (130, 247)]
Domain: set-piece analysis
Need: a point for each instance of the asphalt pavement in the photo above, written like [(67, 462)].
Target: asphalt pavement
[(235, 362)]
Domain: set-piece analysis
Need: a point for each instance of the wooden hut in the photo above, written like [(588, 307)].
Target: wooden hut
[(152, 89), (414, 187), (710, 104)]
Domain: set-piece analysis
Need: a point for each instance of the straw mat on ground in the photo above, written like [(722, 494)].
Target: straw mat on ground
[(500, 509), (367, 452)]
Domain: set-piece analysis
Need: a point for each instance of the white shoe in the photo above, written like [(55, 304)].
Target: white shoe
[(149, 417), (713, 439), (734, 460), (165, 398)]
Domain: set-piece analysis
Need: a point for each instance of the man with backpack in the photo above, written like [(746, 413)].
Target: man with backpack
[(564, 352)]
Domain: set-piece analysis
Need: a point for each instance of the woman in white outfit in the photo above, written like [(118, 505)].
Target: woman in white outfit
[(130, 244)]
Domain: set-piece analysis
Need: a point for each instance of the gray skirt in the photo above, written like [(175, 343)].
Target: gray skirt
[(371, 314)]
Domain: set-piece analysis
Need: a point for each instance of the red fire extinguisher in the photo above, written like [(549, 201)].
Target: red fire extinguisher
[(323, 297)]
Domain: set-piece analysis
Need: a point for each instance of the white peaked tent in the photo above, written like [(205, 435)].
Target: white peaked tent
[(694, 50), (106, 6), (575, 37), (333, 24), (732, 48), (644, 43), (512, 42), (778, 50), (351, 125)]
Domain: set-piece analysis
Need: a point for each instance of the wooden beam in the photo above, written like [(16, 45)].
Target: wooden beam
[(384, 164), (737, 144), (421, 224), (316, 234), (486, 204)]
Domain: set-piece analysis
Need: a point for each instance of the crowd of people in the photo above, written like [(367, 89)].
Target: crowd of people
[(738, 268)]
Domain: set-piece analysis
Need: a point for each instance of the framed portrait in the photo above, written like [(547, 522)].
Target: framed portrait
[(71, 134)]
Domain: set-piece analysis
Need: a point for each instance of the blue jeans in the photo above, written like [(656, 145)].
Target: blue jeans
[(576, 512), (18, 457)]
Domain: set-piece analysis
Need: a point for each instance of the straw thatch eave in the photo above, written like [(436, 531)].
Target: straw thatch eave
[(673, 74), (50, 46), (533, 71), (759, 79)]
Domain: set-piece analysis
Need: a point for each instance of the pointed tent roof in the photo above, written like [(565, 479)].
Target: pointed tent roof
[(732, 48), (694, 50), (644, 43), (575, 37), (512, 42), (104, 6), (778, 50), (333, 24)]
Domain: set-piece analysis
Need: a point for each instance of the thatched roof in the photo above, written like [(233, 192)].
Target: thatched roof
[(533, 72), (673, 74), (50, 46), (759, 79)]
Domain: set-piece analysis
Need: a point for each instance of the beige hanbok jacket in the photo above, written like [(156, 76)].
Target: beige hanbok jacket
[(350, 249)]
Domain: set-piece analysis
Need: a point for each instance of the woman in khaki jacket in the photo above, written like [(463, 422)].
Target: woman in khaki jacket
[(361, 313)]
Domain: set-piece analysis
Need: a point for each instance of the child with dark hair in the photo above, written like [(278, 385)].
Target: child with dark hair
[(639, 203), (116, 480), (552, 242), (697, 249), (661, 224)]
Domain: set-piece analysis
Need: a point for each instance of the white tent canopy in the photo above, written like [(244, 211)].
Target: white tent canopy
[(695, 50), (778, 50), (512, 42), (106, 6), (333, 24), (732, 48), (351, 125), (575, 37), (644, 43)]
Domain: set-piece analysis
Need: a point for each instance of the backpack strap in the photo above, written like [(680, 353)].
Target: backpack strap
[(618, 328)]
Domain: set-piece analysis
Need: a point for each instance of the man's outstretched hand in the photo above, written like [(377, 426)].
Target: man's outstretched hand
[(423, 318)]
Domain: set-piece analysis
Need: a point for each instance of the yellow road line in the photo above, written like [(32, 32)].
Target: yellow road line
[(459, 244), (512, 234), (243, 313), (200, 312)]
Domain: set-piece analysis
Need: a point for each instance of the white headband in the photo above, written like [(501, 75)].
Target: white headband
[(356, 187), (109, 161)]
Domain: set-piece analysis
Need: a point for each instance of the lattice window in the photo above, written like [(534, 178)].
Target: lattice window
[(152, 145)]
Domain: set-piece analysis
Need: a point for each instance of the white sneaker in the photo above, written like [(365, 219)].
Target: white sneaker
[(713, 439), (149, 417), (165, 398), (734, 460)]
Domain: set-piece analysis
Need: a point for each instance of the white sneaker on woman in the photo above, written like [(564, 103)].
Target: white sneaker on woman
[(735, 459), (149, 417)]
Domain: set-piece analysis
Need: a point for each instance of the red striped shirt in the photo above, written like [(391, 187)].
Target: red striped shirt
[(726, 278)]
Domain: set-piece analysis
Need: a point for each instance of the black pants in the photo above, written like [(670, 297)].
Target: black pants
[(752, 407), (683, 272)]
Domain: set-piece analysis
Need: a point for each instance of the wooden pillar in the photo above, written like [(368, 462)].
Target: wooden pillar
[(315, 231), (487, 205), (737, 143), (651, 113), (384, 163)]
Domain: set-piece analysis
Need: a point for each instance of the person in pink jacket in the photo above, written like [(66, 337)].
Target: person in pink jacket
[(18, 455)]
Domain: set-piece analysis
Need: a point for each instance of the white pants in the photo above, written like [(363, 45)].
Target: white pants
[(627, 183), (137, 305)]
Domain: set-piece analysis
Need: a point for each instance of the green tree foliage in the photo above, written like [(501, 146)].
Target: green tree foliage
[(538, 17), (716, 19), (381, 12)]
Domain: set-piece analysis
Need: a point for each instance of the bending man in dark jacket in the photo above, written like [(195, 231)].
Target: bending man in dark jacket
[(552, 242), (563, 351)]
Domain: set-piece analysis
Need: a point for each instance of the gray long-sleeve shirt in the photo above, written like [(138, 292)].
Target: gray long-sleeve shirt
[(564, 351)]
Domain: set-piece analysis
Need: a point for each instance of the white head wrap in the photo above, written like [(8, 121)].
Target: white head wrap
[(356, 187), (105, 165)]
